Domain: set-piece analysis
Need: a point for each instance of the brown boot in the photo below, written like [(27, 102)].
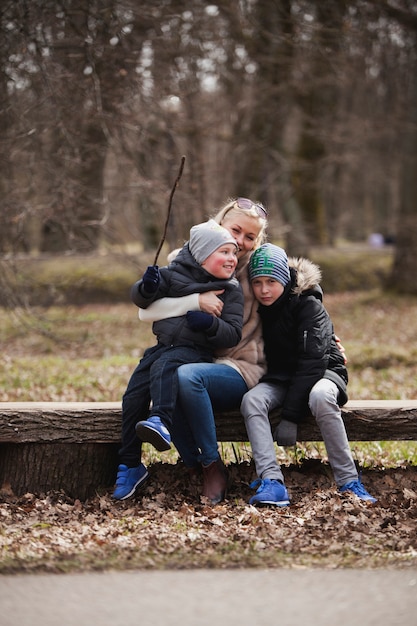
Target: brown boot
[(193, 480), (214, 481)]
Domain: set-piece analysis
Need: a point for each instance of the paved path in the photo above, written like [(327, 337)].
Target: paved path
[(212, 598)]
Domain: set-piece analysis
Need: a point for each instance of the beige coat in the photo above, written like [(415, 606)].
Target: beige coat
[(248, 356)]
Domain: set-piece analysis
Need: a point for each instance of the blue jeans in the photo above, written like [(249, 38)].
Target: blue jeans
[(154, 378), (202, 389)]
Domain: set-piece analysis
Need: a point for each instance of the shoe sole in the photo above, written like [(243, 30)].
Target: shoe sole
[(370, 500), (282, 503), (140, 482), (346, 492), (150, 435)]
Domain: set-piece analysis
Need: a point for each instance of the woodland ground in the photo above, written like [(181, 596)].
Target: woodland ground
[(88, 353)]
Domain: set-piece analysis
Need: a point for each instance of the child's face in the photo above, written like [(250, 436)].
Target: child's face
[(267, 290), (222, 262)]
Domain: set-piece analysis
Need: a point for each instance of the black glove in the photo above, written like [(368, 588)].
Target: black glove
[(151, 278), (198, 320), (286, 433)]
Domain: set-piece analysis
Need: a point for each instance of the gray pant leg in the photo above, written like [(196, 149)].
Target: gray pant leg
[(255, 407), (324, 407)]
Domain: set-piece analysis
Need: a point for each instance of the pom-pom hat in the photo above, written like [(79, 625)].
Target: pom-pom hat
[(205, 238), (270, 260)]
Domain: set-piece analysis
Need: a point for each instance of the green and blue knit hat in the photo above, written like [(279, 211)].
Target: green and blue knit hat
[(270, 260)]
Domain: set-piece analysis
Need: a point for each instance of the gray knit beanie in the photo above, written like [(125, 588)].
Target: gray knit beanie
[(206, 238), (270, 260)]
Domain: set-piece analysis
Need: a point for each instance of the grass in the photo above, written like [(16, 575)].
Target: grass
[(108, 275), (87, 353)]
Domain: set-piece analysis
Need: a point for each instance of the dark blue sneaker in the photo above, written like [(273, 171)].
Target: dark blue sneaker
[(358, 489), (128, 479), (153, 431), (270, 492)]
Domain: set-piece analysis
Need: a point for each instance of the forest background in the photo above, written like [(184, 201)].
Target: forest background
[(308, 107)]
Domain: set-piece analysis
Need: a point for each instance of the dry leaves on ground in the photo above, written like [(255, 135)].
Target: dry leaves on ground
[(166, 525)]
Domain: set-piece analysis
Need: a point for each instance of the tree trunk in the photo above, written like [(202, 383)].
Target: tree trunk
[(75, 223), (77, 469), (318, 102), (49, 446), (404, 275)]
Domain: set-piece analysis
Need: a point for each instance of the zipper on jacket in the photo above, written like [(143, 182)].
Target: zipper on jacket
[(305, 333)]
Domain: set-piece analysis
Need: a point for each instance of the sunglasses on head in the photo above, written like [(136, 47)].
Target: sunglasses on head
[(247, 205)]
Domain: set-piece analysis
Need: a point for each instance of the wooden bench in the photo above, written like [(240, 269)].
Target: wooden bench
[(72, 446)]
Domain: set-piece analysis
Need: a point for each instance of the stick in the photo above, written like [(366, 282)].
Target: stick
[(161, 243)]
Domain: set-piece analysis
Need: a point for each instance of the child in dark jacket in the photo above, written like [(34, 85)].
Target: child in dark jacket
[(305, 373), (206, 263)]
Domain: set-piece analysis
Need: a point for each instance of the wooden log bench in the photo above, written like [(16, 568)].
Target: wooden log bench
[(72, 446)]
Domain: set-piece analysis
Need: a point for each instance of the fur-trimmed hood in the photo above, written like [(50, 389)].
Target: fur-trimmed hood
[(308, 274)]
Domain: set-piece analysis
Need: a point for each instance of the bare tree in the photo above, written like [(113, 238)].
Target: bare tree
[(403, 278), (297, 104)]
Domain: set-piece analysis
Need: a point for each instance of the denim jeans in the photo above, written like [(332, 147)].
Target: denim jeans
[(155, 377), (202, 389)]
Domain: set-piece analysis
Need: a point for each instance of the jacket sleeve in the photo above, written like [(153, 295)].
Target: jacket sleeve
[(169, 307), (226, 331), (314, 333), (142, 301)]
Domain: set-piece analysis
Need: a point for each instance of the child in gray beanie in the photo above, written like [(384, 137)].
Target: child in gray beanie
[(306, 373), (206, 263), (205, 238)]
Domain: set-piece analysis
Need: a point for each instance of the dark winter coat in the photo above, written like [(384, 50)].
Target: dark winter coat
[(182, 277), (300, 344)]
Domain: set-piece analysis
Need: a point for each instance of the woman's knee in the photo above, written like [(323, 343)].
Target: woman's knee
[(186, 373)]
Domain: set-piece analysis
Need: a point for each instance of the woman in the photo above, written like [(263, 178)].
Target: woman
[(219, 386)]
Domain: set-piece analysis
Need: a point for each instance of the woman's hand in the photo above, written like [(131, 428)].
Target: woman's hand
[(210, 303), (341, 348)]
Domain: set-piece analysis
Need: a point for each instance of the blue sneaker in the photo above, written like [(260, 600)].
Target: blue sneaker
[(128, 479), (153, 431), (356, 487), (269, 492)]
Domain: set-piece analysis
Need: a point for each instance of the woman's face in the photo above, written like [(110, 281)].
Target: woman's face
[(244, 228)]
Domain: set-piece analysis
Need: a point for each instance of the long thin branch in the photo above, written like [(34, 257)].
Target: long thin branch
[(161, 243)]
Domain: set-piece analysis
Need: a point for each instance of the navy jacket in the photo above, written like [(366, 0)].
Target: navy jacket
[(300, 344), (182, 277)]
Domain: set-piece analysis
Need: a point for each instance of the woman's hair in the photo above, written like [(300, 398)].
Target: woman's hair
[(249, 208)]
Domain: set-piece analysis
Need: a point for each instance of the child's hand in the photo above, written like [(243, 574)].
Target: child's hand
[(198, 320), (341, 348), (151, 279)]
